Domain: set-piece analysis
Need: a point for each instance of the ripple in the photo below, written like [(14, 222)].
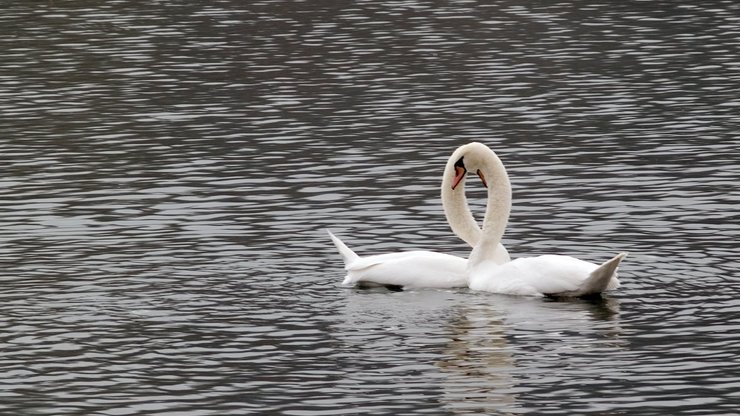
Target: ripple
[(168, 180)]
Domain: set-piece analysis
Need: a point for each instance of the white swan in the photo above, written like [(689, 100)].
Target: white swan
[(413, 269), (551, 275), (428, 268)]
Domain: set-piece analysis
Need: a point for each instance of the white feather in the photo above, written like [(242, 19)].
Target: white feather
[(546, 275)]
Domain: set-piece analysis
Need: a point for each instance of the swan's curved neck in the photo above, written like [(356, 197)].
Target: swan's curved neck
[(456, 208), (497, 208), (458, 212)]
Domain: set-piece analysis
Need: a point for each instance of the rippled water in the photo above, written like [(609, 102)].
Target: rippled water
[(169, 170)]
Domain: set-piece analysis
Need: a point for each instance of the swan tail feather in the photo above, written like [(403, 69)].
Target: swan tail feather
[(348, 256), (600, 279)]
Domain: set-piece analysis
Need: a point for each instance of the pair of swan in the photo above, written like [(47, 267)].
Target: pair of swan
[(489, 267)]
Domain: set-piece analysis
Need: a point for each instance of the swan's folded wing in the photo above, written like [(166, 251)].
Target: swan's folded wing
[(555, 274), (532, 275), (362, 263), (411, 269)]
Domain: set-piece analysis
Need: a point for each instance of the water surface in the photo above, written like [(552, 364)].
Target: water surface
[(169, 171)]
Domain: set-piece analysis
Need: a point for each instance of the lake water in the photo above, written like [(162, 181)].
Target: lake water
[(169, 170)]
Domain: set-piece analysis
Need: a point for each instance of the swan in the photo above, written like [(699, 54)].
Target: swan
[(548, 275), (428, 269), (409, 269)]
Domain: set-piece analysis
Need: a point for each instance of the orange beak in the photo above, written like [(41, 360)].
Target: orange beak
[(459, 175), (482, 178)]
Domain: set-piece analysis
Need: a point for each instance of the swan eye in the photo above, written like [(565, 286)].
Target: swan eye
[(460, 163)]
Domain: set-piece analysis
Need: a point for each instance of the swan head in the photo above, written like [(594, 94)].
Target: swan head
[(472, 157)]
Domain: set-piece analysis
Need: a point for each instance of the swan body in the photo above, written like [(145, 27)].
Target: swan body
[(552, 275), (428, 268), (411, 269)]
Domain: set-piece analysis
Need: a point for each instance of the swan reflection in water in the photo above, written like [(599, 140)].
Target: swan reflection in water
[(471, 351), (500, 341)]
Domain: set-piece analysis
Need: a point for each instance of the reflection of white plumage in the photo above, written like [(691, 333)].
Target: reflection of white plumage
[(543, 275), (428, 268)]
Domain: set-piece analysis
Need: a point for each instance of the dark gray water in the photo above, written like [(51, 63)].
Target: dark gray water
[(169, 169)]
